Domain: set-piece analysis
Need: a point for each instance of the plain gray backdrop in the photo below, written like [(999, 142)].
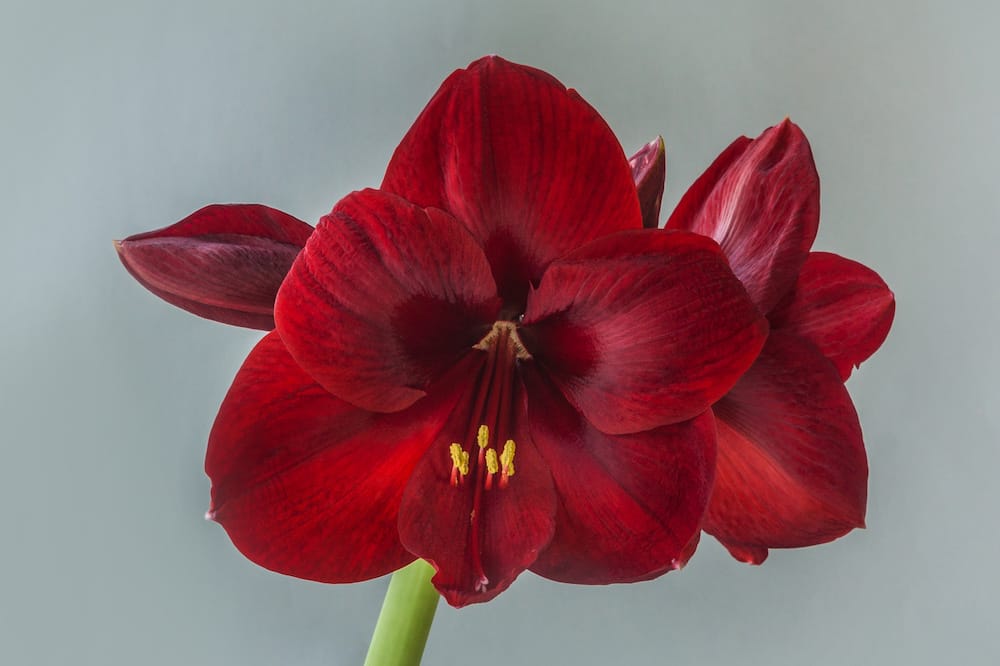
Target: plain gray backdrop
[(119, 117)]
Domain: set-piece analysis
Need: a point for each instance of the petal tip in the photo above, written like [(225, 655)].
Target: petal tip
[(752, 555)]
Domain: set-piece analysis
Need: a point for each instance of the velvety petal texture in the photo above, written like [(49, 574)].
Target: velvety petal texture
[(760, 201), (642, 329), (841, 306), (385, 298), (306, 484), (791, 465), (526, 164), (649, 170), (223, 262), (628, 505)]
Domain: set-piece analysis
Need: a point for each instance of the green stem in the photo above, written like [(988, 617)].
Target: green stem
[(405, 620)]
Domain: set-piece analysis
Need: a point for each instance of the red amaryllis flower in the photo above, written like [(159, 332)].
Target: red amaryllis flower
[(791, 467), (488, 363)]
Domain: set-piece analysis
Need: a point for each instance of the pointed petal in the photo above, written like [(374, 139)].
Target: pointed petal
[(839, 305), (649, 170), (477, 552), (791, 468), (760, 201), (223, 262), (527, 165), (384, 299), (629, 505), (643, 328), (309, 485)]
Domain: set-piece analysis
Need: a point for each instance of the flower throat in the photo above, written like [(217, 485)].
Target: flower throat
[(490, 428)]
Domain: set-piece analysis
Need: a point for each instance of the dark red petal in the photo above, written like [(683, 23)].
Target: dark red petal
[(649, 171), (385, 298), (643, 328), (223, 262), (760, 201), (309, 485), (527, 165), (241, 219), (839, 305), (629, 504), (513, 523), (791, 467)]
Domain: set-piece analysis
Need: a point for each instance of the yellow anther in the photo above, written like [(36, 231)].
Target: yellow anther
[(507, 457), (459, 458), (483, 436), (491, 461)]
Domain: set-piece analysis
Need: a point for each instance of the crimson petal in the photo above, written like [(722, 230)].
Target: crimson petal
[(477, 551), (306, 484), (643, 328), (791, 462), (630, 505), (760, 201), (527, 165), (385, 298), (649, 170), (223, 262), (839, 305)]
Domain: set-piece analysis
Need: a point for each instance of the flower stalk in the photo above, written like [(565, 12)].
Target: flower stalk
[(406, 617)]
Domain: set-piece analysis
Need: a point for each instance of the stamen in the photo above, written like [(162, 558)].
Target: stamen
[(492, 467), (459, 463), (507, 462), (483, 436)]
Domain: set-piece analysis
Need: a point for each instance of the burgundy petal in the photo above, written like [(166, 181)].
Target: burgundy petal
[(791, 464), (643, 328), (839, 305), (223, 262), (649, 170), (629, 504), (385, 298), (527, 165), (477, 549), (760, 201), (309, 485)]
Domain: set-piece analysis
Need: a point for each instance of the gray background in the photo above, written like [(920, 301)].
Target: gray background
[(118, 117)]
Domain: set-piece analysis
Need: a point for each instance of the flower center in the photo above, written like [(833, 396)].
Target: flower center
[(491, 422)]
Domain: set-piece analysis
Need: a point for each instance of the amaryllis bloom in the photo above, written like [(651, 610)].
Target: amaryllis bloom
[(487, 363), (791, 469)]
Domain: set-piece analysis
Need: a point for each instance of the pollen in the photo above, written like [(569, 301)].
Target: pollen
[(492, 467), (507, 458), (483, 436), (459, 463)]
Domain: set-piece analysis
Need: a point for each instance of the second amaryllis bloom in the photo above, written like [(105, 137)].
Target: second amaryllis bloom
[(488, 363), (792, 469)]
